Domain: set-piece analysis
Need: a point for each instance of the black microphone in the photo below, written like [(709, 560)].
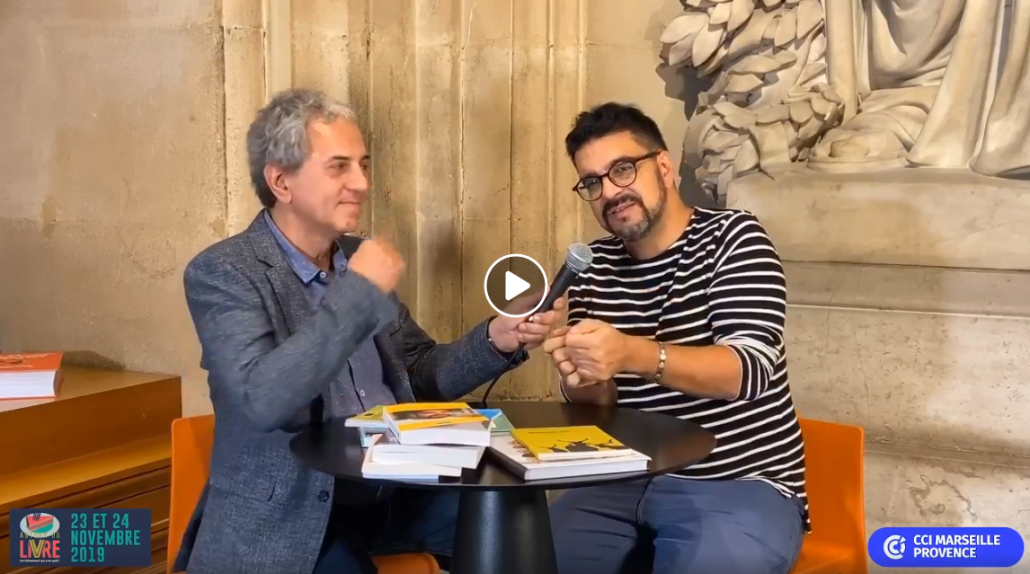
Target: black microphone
[(577, 259)]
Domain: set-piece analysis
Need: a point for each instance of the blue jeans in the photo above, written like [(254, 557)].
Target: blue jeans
[(670, 525), (410, 520)]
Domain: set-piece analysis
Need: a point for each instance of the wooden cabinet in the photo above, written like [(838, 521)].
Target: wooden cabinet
[(104, 442)]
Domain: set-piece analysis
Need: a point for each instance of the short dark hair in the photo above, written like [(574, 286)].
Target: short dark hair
[(612, 118)]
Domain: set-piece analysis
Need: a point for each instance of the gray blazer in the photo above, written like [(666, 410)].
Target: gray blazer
[(269, 357)]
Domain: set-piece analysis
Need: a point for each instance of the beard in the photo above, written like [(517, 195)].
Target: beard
[(641, 228)]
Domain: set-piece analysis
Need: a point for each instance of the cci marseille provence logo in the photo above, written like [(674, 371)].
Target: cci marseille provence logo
[(894, 547), (946, 547)]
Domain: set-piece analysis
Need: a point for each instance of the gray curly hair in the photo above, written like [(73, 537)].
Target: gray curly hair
[(279, 134)]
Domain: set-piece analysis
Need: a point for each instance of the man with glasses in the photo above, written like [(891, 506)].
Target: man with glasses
[(681, 313)]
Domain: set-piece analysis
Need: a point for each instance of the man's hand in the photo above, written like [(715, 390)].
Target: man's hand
[(596, 350), (377, 261), (555, 346), (577, 387), (508, 332)]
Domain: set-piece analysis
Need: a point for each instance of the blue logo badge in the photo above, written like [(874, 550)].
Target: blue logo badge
[(946, 547)]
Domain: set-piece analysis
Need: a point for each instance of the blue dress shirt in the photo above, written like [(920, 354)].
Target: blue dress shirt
[(362, 384)]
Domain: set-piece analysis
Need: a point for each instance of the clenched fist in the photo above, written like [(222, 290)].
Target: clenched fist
[(377, 261)]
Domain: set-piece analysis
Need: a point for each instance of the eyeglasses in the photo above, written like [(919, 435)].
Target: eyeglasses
[(622, 174)]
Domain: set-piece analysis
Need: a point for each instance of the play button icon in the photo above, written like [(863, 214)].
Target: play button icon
[(511, 276), (513, 285)]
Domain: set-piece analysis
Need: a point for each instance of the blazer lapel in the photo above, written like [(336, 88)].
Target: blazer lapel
[(289, 292), (287, 287), (293, 303)]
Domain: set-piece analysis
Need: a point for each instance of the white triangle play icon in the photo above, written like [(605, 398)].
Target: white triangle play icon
[(513, 285)]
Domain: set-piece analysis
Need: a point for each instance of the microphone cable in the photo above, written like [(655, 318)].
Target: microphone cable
[(504, 371)]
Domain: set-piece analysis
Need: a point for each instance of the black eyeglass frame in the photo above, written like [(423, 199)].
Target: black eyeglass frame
[(634, 162)]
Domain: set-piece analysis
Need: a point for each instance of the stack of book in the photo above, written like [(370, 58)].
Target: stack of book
[(423, 441), (370, 423), (564, 452), (30, 375), (426, 441)]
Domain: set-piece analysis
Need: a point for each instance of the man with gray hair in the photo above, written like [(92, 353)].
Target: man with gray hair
[(298, 321)]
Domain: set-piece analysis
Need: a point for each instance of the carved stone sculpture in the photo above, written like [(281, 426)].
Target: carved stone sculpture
[(855, 85)]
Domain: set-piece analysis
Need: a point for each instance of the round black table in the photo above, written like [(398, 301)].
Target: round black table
[(503, 522)]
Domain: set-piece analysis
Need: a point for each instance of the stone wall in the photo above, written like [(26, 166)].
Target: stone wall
[(908, 316), (114, 176), (124, 155)]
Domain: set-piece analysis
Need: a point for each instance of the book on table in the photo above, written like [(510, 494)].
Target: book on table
[(565, 452), (419, 470), (437, 423), (370, 423), (499, 423), (426, 441), (30, 375), (387, 449), (418, 441)]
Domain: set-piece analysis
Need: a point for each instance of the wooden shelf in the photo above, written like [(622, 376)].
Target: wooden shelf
[(96, 410), (103, 443)]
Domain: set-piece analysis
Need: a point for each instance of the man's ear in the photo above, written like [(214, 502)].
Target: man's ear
[(669, 170), (276, 179)]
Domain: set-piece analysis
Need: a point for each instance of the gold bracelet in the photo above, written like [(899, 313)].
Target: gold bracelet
[(661, 362)]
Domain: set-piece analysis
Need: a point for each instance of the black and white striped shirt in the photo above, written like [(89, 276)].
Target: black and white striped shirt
[(720, 283)]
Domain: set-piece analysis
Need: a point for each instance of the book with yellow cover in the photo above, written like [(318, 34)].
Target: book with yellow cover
[(569, 443), (373, 417), (437, 423), (412, 416), (513, 456), (371, 422)]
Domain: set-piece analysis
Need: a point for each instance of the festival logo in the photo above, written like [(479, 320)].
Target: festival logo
[(40, 539), (40, 525)]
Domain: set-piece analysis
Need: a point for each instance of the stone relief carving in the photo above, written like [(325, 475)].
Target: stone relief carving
[(855, 85)]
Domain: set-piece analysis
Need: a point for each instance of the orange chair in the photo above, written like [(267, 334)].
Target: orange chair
[(836, 500), (192, 439)]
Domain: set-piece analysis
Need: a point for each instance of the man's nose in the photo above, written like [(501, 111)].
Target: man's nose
[(359, 182), (609, 190)]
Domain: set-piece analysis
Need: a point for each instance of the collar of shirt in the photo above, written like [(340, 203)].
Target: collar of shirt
[(302, 266)]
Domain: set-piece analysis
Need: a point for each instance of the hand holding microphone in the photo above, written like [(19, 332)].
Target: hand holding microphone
[(531, 333), (511, 334)]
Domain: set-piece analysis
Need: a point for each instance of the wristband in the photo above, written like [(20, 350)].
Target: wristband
[(661, 362), (493, 345)]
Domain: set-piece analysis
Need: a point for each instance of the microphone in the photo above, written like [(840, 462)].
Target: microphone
[(578, 258)]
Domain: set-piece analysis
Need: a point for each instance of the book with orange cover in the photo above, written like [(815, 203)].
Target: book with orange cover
[(30, 375)]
